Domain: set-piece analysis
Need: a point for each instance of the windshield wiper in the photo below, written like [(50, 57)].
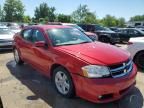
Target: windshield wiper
[(74, 43), (65, 44), (85, 42)]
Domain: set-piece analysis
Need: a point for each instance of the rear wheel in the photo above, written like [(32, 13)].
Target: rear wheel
[(17, 58), (139, 60), (63, 82)]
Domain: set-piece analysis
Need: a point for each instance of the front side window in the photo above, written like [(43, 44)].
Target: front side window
[(131, 32), (67, 36), (125, 31), (27, 34), (37, 36)]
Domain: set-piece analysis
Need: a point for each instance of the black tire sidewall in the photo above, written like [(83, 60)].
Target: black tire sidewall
[(71, 92), (105, 39), (137, 60)]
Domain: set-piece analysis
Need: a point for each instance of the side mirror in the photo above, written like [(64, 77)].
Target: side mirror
[(40, 44)]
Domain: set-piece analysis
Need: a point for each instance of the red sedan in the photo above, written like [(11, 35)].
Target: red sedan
[(94, 71)]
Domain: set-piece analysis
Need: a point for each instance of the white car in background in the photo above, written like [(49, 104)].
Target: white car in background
[(136, 48), (6, 38), (15, 29)]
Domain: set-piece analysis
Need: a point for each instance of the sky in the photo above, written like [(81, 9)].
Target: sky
[(118, 8)]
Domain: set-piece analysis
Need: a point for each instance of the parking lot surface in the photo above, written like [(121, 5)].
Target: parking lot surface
[(23, 87)]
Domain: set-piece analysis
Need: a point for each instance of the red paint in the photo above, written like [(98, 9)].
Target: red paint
[(73, 57)]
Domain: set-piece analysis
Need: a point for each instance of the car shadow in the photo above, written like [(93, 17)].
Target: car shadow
[(141, 70), (43, 88), (1, 105)]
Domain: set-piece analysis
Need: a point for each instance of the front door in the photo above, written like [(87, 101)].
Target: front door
[(41, 55)]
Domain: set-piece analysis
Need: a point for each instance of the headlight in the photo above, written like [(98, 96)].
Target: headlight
[(95, 71)]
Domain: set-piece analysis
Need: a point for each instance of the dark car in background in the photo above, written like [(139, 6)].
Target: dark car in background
[(115, 29), (126, 33), (104, 34)]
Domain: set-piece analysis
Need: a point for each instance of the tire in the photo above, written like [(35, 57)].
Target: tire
[(17, 57), (139, 60), (63, 82), (112, 43), (105, 39)]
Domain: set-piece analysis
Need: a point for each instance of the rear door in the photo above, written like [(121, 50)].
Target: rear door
[(26, 44)]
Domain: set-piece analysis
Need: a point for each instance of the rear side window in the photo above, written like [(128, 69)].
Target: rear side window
[(27, 34), (37, 36), (90, 28), (125, 31)]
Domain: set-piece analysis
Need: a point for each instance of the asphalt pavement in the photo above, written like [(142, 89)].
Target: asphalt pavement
[(24, 87)]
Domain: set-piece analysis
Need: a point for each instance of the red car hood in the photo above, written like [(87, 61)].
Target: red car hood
[(97, 53)]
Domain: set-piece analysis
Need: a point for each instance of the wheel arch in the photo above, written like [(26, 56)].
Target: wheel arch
[(106, 36), (137, 54), (54, 66)]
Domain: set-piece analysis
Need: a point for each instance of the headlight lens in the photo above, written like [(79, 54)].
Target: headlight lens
[(95, 71)]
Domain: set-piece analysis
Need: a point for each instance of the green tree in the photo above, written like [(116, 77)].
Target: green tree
[(80, 13), (13, 10), (109, 21), (121, 22), (83, 15), (63, 18), (44, 11), (137, 18), (90, 18), (1, 14), (26, 19)]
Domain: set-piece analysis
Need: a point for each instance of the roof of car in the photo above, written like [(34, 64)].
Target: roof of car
[(68, 24), (45, 27), (129, 29)]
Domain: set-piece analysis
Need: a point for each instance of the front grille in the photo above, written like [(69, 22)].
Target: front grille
[(5, 41), (6, 46), (121, 69)]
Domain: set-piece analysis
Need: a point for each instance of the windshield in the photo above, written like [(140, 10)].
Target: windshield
[(76, 26), (98, 27), (142, 32), (5, 31), (67, 36)]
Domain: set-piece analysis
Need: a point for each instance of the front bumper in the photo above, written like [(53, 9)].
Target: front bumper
[(104, 90)]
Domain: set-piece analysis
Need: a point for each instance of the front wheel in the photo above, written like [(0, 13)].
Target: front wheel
[(63, 82), (17, 57), (105, 39), (139, 60)]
